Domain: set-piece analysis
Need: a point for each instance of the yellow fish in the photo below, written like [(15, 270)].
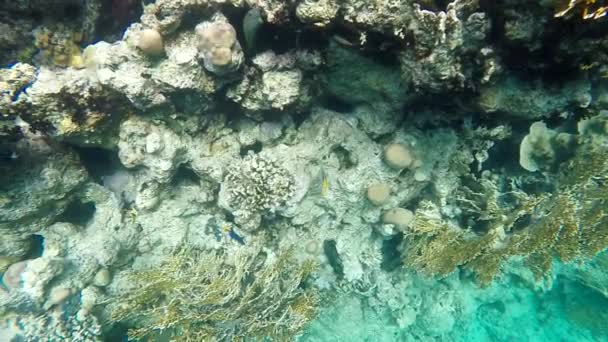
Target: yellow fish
[(324, 186)]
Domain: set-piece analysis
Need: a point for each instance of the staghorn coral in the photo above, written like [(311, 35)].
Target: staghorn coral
[(569, 224), (197, 297)]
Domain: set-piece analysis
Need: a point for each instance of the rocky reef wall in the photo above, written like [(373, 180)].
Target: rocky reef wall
[(321, 170)]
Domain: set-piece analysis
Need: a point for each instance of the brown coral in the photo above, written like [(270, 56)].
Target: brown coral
[(569, 225), (196, 297)]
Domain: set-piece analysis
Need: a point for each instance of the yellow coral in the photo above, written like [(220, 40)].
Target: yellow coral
[(59, 46), (67, 126), (571, 224), (587, 7), (196, 297)]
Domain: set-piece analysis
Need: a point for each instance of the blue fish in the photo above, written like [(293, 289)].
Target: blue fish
[(233, 235)]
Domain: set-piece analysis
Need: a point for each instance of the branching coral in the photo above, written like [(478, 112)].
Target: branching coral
[(257, 186), (58, 325), (570, 224), (196, 297)]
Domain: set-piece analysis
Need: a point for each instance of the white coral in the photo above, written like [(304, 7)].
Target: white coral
[(256, 186)]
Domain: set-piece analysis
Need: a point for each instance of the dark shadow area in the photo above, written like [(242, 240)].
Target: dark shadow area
[(77, 213), (336, 104), (331, 252), (344, 157), (98, 162), (185, 176), (117, 333), (115, 17), (299, 118), (256, 147), (391, 257), (548, 61), (36, 247)]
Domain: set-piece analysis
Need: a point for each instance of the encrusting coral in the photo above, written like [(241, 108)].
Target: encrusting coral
[(195, 296)]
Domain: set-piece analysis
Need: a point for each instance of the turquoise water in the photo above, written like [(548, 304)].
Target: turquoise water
[(453, 310)]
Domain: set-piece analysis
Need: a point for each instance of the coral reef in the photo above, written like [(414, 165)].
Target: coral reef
[(448, 45), (206, 171), (274, 83), (567, 224), (254, 187), (57, 327), (544, 147), (150, 42), (39, 188), (512, 97), (197, 297), (218, 46)]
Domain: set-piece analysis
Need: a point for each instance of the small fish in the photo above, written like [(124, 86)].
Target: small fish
[(233, 235), (252, 23), (6, 155), (325, 186), (342, 41)]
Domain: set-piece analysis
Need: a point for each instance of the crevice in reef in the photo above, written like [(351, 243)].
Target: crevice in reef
[(115, 17), (184, 175), (98, 162), (391, 257), (336, 104), (344, 157), (256, 147), (77, 213), (333, 257), (36, 247)]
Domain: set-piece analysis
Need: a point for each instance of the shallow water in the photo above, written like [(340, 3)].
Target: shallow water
[(316, 171)]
